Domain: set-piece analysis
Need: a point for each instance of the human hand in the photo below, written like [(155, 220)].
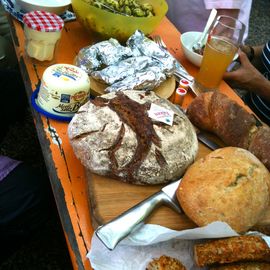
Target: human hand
[(246, 76)]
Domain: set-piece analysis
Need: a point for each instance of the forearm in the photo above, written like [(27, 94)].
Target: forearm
[(261, 87), (254, 54), (257, 61)]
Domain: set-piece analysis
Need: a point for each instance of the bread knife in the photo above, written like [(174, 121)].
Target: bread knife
[(114, 231), (204, 139)]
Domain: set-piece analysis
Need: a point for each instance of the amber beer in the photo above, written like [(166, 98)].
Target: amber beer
[(218, 54), (224, 38)]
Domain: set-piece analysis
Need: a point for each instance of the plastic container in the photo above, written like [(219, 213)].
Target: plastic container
[(179, 95), (64, 88), (184, 84), (121, 27), (42, 31)]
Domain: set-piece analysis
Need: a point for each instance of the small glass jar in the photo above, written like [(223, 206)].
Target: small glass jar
[(42, 31)]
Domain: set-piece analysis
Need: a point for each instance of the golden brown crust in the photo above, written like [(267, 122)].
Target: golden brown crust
[(216, 113), (260, 145), (198, 112), (224, 186), (231, 122), (243, 266), (233, 249), (165, 263)]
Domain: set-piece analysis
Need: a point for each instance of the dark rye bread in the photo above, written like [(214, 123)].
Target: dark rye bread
[(113, 135), (215, 112)]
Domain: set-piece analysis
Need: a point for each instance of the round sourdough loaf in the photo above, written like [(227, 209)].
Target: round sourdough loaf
[(230, 184), (113, 135)]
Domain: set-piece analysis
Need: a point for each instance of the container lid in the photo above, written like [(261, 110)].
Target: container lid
[(43, 21), (181, 91), (45, 113)]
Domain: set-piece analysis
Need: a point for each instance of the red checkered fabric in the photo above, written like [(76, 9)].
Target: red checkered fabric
[(43, 21)]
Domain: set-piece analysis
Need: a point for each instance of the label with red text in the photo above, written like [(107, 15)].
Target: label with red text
[(161, 114)]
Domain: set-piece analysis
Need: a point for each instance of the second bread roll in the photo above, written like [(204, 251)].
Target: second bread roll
[(230, 184)]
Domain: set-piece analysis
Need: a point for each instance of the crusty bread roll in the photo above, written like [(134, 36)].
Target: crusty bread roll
[(230, 250), (113, 135), (229, 184), (243, 266), (165, 263), (215, 112)]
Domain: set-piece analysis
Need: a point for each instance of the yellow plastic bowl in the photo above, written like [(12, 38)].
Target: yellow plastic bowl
[(121, 27)]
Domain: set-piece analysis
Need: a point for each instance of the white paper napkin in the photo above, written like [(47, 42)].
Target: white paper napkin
[(152, 241)]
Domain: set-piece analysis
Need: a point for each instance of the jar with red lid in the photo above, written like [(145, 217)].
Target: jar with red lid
[(42, 32)]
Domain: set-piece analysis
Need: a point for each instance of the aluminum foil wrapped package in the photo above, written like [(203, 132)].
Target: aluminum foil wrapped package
[(106, 53), (147, 79), (139, 43), (123, 69), (142, 64), (87, 59)]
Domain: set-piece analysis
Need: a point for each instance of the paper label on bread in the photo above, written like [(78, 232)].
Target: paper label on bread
[(161, 114)]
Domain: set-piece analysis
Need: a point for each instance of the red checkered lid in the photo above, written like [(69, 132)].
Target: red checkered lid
[(43, 21)]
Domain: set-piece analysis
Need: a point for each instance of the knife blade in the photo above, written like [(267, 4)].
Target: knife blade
[(114, 231), (206, 141)]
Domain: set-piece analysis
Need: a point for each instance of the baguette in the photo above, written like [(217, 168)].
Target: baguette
[(216, 113), (233, 249), (243, 266)]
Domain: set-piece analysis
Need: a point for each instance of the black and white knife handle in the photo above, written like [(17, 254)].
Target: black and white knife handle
[(117, 229)]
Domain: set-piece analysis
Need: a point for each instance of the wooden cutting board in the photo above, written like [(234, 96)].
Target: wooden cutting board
[(164, 90), (108, 198)]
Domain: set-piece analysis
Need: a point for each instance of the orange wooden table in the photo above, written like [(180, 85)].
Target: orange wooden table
[(67, 175)]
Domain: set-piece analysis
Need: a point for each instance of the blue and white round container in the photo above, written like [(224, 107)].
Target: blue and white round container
[(64, 89)]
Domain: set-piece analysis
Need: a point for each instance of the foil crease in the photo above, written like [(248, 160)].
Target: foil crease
[(139, 43), (142, 80), (140, 65), (101, 54), (124, 68)]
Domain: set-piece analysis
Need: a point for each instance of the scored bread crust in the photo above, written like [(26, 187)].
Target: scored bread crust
[(114, 136), (215, 112), (229, 184), (228, 116)]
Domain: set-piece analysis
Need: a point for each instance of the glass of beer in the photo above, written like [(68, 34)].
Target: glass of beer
[(223, 41)]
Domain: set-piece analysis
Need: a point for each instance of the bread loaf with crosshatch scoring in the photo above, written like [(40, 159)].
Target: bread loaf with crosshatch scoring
[(215, 112), (113, 135)]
